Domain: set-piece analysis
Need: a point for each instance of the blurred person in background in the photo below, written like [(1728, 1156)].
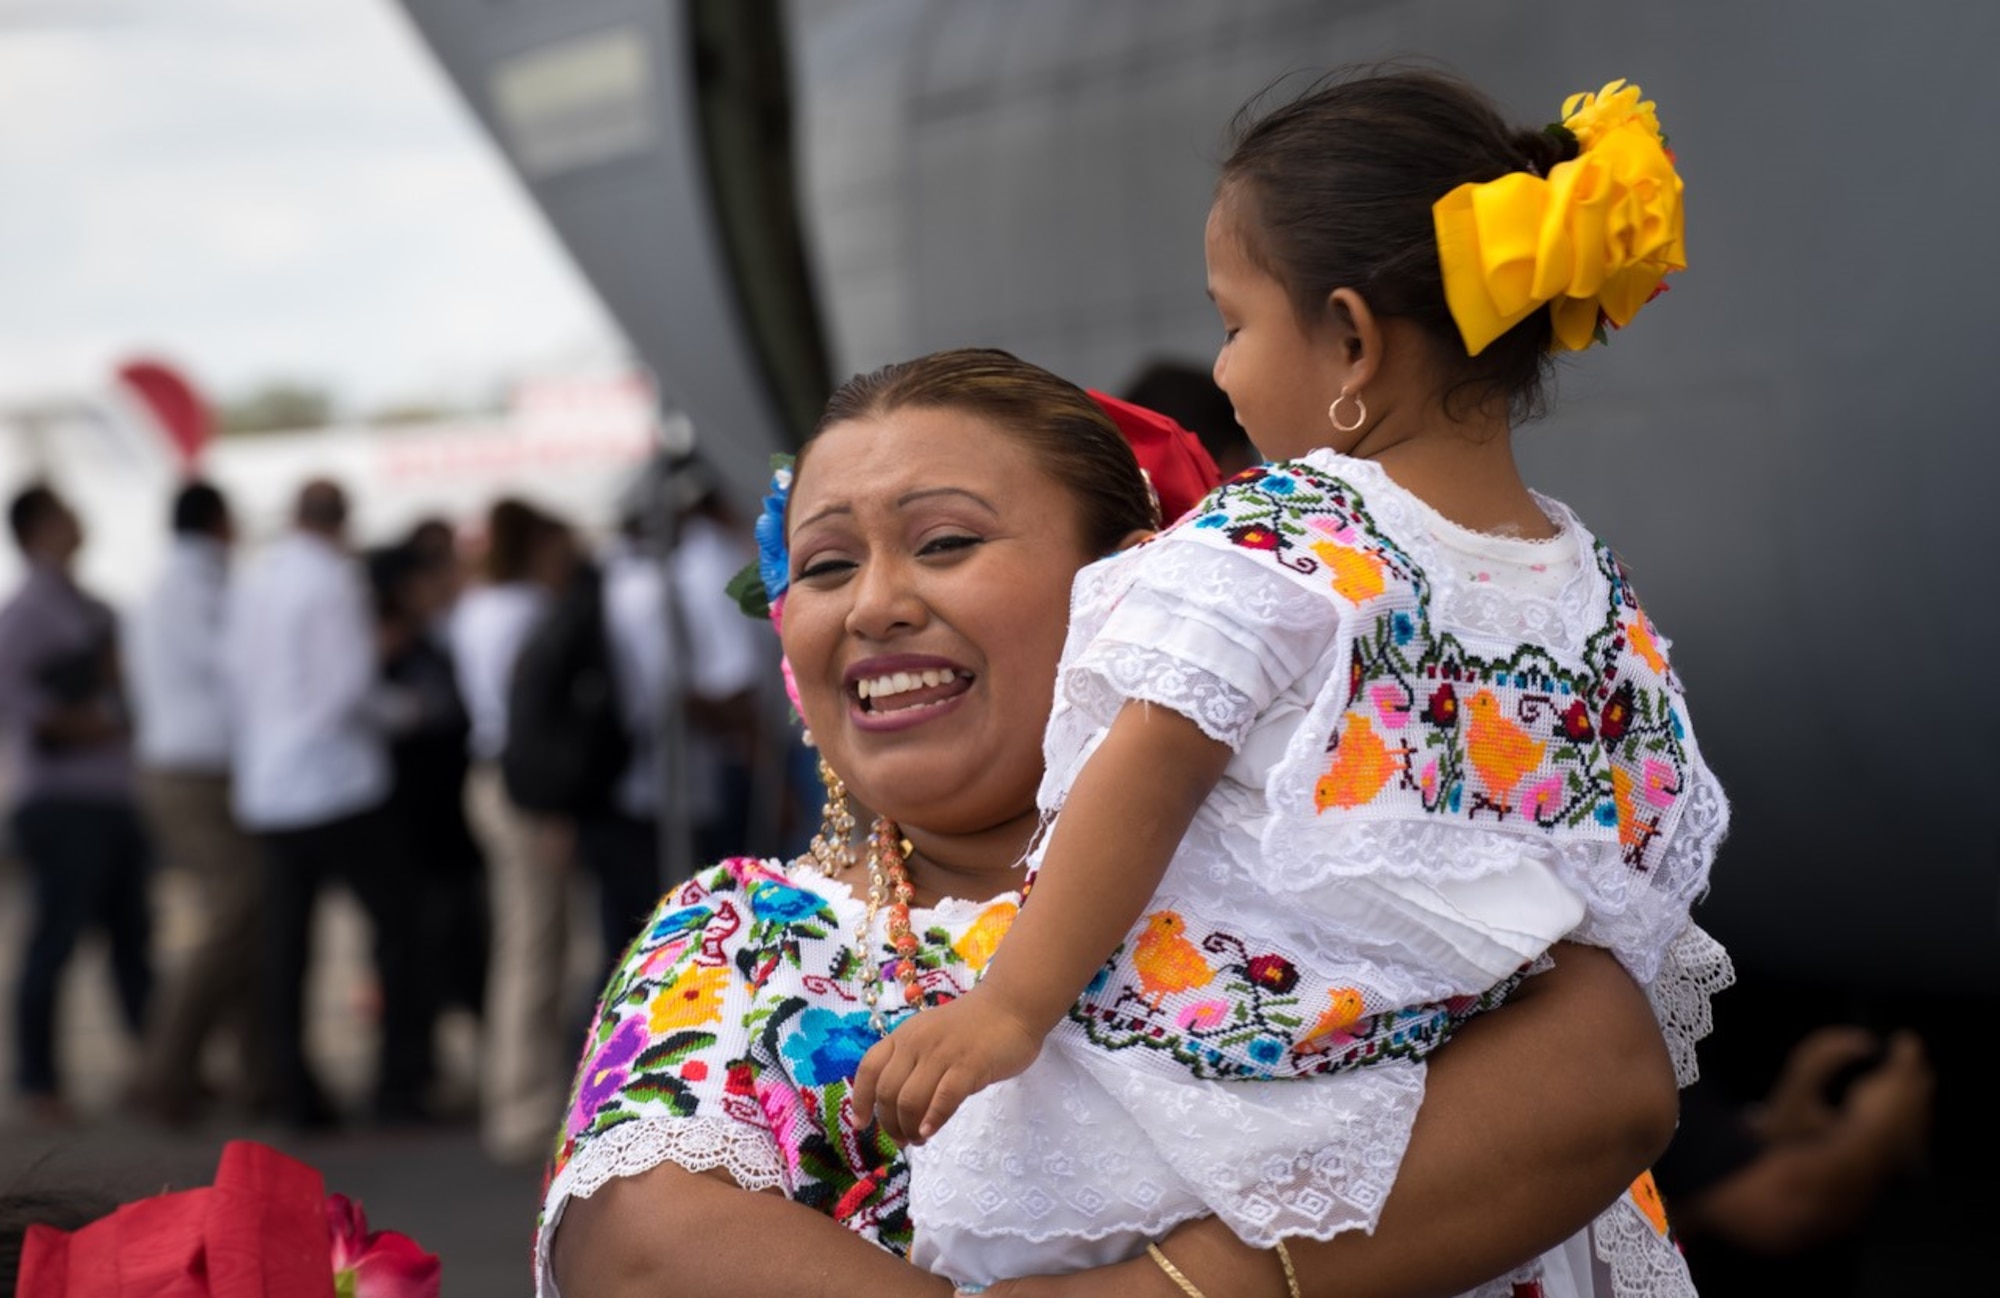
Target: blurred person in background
[(710, 676), (529, 557), (76, 820), (182, 711), (415, 582), (435, 543), (1774, 1197), (312, 780)]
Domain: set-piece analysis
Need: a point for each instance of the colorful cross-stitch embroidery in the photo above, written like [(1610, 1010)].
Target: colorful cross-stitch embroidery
[(1431, 725), (1222, 1008)]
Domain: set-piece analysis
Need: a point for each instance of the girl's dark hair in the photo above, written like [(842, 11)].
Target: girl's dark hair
[(1335, 189), (1070, 435)]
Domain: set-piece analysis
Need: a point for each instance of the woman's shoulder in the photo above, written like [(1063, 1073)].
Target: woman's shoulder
[(777, 889)]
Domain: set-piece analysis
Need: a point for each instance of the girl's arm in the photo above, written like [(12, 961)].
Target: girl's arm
[(1536, 1116), (672, 1233), (1132, 802)]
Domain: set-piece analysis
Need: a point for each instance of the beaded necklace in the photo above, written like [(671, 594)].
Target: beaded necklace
[(889, 882)]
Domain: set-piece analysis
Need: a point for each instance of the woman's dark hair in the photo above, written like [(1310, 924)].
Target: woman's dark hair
[(1335, 190), (1070, 435)]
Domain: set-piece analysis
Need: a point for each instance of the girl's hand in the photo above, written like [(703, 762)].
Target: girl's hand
[(915, 1078)]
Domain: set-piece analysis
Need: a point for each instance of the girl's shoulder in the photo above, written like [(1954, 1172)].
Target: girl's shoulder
[(1335, 525)]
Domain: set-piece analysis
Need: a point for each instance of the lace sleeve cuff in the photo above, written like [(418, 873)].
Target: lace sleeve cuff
[(746, 1153), (1196, 630)]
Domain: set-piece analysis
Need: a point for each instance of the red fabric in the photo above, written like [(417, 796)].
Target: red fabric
[(259, 1232), (1180, 467)]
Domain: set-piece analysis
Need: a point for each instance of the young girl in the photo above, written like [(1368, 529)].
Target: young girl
[(1336, 758)]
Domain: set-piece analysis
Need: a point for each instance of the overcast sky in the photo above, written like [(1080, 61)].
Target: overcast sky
[(263, 189)]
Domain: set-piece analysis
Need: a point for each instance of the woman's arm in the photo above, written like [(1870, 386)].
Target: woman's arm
[(672, 1233), (1536, 1116)]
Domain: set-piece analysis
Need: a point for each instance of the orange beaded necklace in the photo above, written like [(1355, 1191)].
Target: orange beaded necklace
[(889, 883)]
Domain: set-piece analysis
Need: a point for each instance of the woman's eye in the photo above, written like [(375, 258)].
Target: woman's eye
[(947, 544), (1228, 334), (823, 568)]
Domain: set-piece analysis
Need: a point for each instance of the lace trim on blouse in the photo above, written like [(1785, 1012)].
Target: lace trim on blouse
[(697, 1144)]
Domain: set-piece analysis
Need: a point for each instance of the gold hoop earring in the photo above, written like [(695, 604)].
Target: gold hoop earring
[(833, 846), (1360, 412)]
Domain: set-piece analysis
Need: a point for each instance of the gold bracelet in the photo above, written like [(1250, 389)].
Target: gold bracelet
[(1291, 1276), (1174, 1272)]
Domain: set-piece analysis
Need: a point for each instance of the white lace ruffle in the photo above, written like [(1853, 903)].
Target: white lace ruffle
[(1084, 1147), (1173, 625), (1644, 1263), (1619, 1255), (697, 1144), (1112, 675), (1695, 969)]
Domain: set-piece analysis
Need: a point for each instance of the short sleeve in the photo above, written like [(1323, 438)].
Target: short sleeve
[(1212, 634), (664, 1075)]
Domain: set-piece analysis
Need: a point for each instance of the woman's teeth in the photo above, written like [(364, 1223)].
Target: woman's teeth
[(877, 688)]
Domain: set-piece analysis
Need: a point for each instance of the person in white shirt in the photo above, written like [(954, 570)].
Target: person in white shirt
[(184, 757), (712, 678), (524, 1075), (311, 780)]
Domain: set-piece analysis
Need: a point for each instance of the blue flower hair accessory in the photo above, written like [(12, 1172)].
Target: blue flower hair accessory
[(759, 590), (763, 583)]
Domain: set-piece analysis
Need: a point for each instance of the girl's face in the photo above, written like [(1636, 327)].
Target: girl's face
[(1278, 376), (932, 558)]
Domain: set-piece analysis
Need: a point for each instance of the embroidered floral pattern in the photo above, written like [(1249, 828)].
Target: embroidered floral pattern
[(742, 1003), (1222, 1008), (1513, 737), (1312, 524)]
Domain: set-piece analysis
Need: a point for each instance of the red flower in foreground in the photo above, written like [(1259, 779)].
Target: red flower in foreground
[(376, 1264)]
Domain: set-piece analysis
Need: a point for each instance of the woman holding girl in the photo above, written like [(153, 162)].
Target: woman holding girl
[(937, 516)]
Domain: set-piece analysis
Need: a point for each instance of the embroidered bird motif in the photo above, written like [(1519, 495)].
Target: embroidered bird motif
[(1357, 574), (1362, 764), (980, 941), (1501, 750), (1646, 644), (1331, 1029), (1166, 961)]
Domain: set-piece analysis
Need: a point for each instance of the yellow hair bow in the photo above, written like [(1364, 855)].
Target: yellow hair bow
[(1592, 241)]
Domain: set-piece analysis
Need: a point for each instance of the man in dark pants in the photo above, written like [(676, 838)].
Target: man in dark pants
[(175, 667), (76, 823), (312, 780)]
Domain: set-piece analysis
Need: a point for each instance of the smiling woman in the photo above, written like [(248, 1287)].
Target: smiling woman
[(905, 574), (936, 522)]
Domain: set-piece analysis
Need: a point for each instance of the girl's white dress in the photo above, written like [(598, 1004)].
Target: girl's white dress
[(1451, 750)]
